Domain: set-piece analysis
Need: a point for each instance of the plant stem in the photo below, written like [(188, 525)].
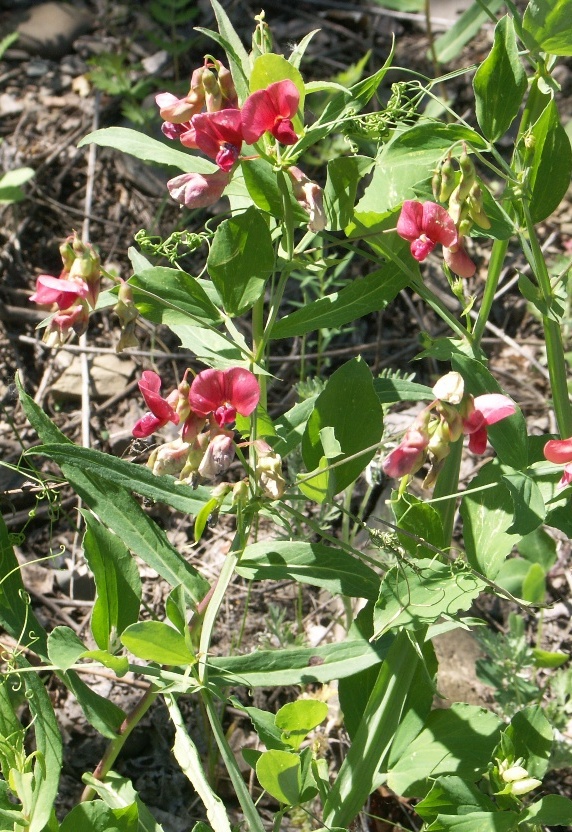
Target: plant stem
[(448, 484), (115, 746), (498, 253)]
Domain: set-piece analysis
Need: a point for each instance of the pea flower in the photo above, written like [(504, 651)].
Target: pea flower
[(482, 412), (224, 393), (427, 224), (198, 190), (410, 454), (219, 135), (271, 110), (162, 410), (57, 290), (310, 196), (559, 451)]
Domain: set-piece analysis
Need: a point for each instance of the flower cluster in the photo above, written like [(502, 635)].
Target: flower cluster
[(209, 119), (204, 409), (427, 224), (452, 414), (72, 293), (559, 451)]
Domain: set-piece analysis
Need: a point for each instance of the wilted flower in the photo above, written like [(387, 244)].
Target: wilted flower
[(482, 412), (310, 196), (459, 261), (219, 135), (269, 470), (218, 456), (162, 410), (170, 458), (224, 393), (559, 451), (271, 110), (198, 190)]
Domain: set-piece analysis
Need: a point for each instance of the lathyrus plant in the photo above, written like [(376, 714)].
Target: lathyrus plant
[(429, 187)]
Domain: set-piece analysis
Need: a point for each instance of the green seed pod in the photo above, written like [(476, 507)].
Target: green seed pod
[(476, 209), (448, 180), (468, 175)]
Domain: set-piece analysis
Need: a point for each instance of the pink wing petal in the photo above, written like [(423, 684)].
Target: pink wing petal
[(258, 115), (55, 290), (459, 262), (494, 407), (284, 131), (241, 389), (285, 98), (410, 220), (478, 441), (150, 385), (147, 425), (207, 392), (438, 225), (558, 451)]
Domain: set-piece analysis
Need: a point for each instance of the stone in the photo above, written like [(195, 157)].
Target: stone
[(50, 29), (109, 376)]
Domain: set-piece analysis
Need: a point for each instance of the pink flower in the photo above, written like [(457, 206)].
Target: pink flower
[(224, 393), (56, 290), (426, 224), (410, 454), (271, 110), (486, 410), (559, 451), (162, 410), (198, 190), (219, 135), (178, 110)]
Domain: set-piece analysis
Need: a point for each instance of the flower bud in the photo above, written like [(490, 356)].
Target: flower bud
[(67, 253), (440, 441), (450, 388), (240, 492), (227, 88), (521, 787), (448, 180), (213, 94), (269, 471), (514, 773), (262, 36), (310, 196), (476, 210)]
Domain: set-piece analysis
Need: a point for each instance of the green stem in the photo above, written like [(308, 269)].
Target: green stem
[(115, 746), (448, 484), (251, 815), (498, 253), (555, 355)]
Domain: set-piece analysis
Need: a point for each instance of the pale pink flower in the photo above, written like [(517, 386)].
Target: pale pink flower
[(198, 190)]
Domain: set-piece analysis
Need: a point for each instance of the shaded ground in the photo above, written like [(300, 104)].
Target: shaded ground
[(47, 103)]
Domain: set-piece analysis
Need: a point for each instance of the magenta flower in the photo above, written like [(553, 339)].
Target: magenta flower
[(426, 224), (219, 135), (162, 410), (224, 393), (271, 110), (198, 190), (56, 290), (488, 409), (559, 451)]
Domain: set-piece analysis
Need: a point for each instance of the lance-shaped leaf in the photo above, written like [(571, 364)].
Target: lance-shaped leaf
[(170, 296), (550, 24), (550, 165)]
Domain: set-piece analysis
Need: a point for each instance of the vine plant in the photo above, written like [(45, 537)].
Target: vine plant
[(431, 183)]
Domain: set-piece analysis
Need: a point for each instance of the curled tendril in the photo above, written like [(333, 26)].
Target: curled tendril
[(169, 247)]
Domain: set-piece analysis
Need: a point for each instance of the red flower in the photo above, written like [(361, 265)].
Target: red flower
[(56, 290), (559, 451), (426, 224), (271, 110), (488, 409), (162, 410), (198, 190), (219, 135), (224, 393)]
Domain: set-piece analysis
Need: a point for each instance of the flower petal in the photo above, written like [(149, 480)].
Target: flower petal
[(147, 425), (478, 440), (558, 451), (459, 262), (409, 224), (150, 385), (55, 290), (198, 190), (207, 392), (438, 225), (494, 407), (242, 389), (258, 115), (285, 98)]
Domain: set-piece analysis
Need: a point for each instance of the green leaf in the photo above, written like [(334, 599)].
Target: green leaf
[(358, 773), (311, 563), (358, 298), (529, 508), (419, 592), (117, 582), (487, 516), (297, 719), (215, 349), (552, 810), (545, 658), (239, 60), (532, 736), (150, 150), (349, 405), (202, 518), (534, 585), (48, 745), (500, 83), (137, 478), (550, 24), (391, 390), (549, 175), (241, 260), (297, 666), (539, 547), (407, 161), (118, 793), (264, 725), (264, 424), (170, 296), (469, 24), (96, 816), (451, 795), (156, 641), (290, 427), (15, 178), (483, 821), (262, 184), (279, 773), (64, 647), (344, 176), (422, 521), (459, 740)]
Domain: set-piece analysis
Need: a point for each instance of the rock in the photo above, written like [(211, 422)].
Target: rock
[(50, 29), (109, 376)]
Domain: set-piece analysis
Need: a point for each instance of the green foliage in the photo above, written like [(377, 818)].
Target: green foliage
[(10, 185)]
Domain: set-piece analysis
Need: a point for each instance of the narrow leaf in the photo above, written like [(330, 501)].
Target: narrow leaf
[(150, 150)]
